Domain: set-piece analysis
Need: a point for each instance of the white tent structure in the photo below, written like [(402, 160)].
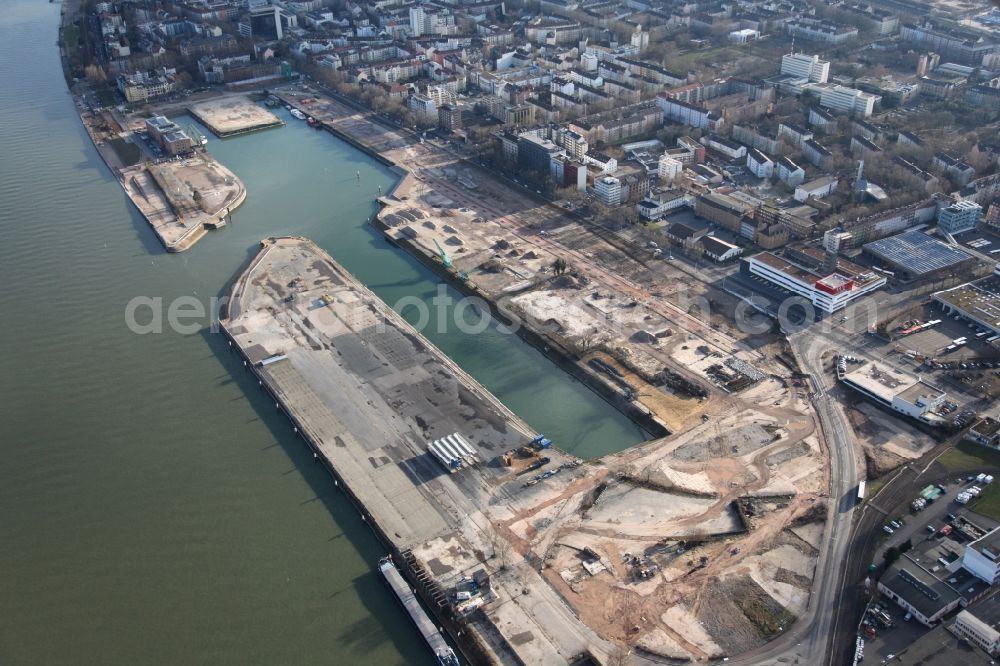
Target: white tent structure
[(453, 452)]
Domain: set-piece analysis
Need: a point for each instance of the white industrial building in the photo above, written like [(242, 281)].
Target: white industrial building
[(719, 250), (816, 189), (982, 557), (806, 66), (652, 208), (977, 632), (826, 293), (898, 390)]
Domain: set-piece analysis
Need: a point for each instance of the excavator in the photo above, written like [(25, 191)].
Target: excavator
[(446, 262), (445, 259)]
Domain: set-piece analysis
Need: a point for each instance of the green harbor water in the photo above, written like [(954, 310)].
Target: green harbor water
[(154, 508)]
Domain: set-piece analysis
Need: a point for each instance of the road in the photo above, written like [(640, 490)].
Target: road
[(808, 641)]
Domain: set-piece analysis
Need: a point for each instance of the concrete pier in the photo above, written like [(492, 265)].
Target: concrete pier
[(233, 116), (368, 394)]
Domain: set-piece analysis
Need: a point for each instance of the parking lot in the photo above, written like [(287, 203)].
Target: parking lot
[(896, 637)]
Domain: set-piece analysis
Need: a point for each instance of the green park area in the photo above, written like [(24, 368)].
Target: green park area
[(969, 457)]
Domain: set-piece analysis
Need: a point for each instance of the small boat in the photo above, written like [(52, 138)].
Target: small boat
[(312, 122), (297, 114)]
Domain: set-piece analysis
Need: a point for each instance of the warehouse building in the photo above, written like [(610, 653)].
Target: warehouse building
[(913, 255), (897, 390), (976, 302), (917, 591)]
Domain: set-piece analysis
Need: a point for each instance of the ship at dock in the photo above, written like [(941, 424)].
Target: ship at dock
[(435, 641), (297, 114)]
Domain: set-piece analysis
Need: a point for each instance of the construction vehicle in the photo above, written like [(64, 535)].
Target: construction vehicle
[(445, 259)]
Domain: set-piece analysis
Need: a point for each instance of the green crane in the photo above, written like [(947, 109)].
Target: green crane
[(445, 259)]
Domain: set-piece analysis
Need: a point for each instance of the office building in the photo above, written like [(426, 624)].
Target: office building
[(805, 66), (847, 100), (827, 293), (609, 190), (959, 217), (265, 22)]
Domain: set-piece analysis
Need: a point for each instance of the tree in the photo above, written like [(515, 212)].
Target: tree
[(891, 555), (559, 266), (184, 80)]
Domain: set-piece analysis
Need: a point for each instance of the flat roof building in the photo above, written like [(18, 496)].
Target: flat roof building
[(959, 217), (977, 632), (168, 135), (897, 390), (848, 100), (913, 254), (982, 557), (977, 302), (806, 66), (827, 293), (917, 591)]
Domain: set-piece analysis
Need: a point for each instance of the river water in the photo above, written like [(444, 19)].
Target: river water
[(153, 506)]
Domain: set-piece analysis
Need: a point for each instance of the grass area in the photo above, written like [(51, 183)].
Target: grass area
[(969, 457), (988, 502), (128, 153), (875, 485), (699, 56), (71, 36)]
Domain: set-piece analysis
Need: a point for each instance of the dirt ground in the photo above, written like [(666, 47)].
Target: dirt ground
[(643, 546), (888, 441), (233, 115)]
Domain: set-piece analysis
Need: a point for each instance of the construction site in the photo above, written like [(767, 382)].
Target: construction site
[(705, 539), (233, 115), (716, 528), (183, 199)]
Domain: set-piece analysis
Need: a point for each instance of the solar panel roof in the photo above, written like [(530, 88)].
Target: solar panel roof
[(916, 252)]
